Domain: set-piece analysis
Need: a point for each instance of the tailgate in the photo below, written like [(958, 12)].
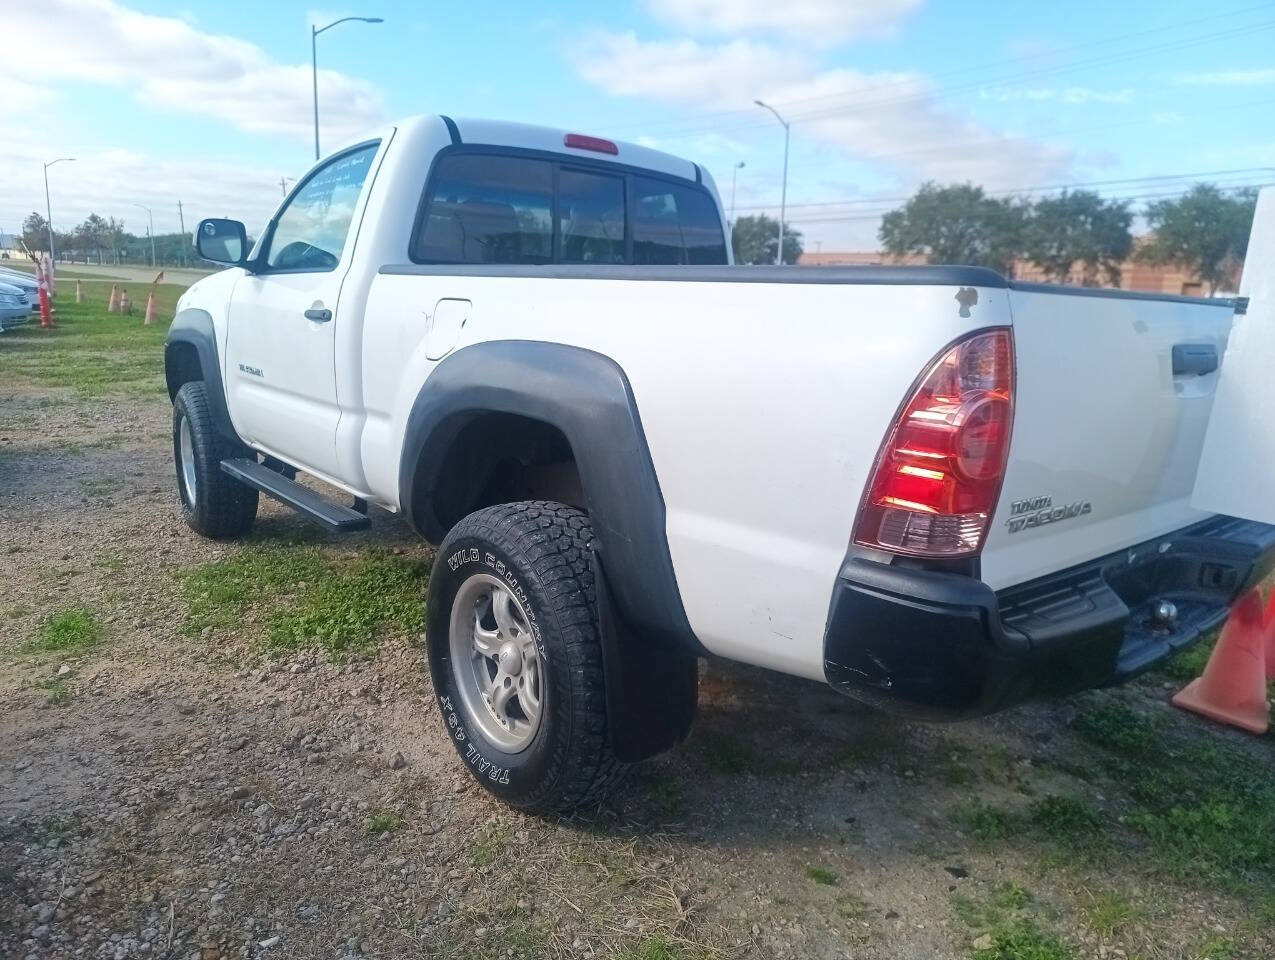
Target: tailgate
[(1112, 398)]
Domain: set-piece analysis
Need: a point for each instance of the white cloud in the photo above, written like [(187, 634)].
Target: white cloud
[(1068, 95), (889, 119), (1227, 78), (683, 70), (822, 22), (108, 182), (167, 63)]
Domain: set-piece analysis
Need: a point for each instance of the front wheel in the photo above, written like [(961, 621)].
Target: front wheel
[(516, 655), (214, 504)]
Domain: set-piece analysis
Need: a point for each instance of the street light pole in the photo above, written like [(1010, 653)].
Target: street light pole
[(733, 174), (150, 228), (783, 196), (48, 207), (314, 66)]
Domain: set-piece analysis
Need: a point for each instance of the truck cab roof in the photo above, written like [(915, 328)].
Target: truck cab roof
[(474, 130)]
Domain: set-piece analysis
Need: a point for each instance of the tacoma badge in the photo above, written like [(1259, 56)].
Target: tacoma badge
[(1038, 511)]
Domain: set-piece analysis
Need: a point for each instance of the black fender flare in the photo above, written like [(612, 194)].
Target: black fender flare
[(650, 650), (193, 328)]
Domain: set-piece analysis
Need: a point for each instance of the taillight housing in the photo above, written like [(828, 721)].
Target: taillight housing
[(938, 474)]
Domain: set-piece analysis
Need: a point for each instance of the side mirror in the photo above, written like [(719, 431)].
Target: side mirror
[(222, 241)]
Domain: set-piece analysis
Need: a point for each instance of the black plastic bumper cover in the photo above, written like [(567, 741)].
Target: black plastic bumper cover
[(946, 646)]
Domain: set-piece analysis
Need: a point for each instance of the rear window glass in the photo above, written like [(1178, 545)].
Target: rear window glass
[(495, 209), (488, 209), (591, 217), (675, 224)]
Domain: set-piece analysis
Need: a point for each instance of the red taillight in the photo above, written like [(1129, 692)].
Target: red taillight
[(596, 144), (939, 472)]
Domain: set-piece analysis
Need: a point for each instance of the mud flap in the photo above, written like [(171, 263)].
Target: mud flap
[(651, 688), (1238, 460)]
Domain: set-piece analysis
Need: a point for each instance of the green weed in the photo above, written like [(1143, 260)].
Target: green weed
[(70, 631), (821, 875), (383, 821), (1022, 940), (1110, 913), (303, 597)]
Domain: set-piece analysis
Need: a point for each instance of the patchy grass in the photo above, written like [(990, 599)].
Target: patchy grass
[(656, 948), (1205, 807), (1022, 940), (490, 843), (822, 875), (1110, 913), (57, 692), (70, 631), (1189, 664), (18, 610), (1067, 820), (383, 821), (91, 351), (729, 755), (985, 823), (299, 596)]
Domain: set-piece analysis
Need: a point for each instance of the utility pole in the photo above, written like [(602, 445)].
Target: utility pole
[(783, 196), (283, 185), (48, 207), (185, 240), (314, 66), (150, 229), (733, 175)]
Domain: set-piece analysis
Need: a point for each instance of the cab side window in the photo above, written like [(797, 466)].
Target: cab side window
[(675, 224), (312, 230)]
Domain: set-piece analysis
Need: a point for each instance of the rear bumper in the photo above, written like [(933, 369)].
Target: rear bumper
[(946, 646)]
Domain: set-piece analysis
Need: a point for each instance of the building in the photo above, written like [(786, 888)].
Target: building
[(1133, 275)]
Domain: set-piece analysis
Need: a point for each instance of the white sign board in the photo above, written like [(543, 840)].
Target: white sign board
[(1236, 475)]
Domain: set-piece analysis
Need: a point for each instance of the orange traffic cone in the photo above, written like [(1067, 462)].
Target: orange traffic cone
[(1270, 637), (77, 292), (1232, 688), (126, 303), (150, 309), (113, 304)]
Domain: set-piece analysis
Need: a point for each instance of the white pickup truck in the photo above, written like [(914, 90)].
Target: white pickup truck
[(932, 488)]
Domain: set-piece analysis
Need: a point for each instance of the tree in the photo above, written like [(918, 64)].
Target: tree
[(1204, 231), (114, 236), (35, 232), (92, 235), (1079, 227), (956, 224), (755, 240)]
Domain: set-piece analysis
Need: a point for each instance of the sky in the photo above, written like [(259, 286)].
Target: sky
[(211, 105)]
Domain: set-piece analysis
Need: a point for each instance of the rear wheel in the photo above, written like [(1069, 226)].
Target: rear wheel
[(516, 655), (214, 504)]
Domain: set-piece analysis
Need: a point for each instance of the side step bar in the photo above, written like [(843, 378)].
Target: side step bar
[(305, 501)]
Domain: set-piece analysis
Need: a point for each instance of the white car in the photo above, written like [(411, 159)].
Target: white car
[(935, 489)]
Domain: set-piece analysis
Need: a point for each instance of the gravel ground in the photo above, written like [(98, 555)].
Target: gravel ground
[(189, 796)]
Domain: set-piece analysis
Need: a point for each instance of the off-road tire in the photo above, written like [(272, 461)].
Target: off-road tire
[(223, 508), (541, 550)]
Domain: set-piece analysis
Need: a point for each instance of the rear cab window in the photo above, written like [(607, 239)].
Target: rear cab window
[(486, 206)]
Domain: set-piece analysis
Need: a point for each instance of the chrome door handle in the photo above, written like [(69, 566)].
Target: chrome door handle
[(318, 315)]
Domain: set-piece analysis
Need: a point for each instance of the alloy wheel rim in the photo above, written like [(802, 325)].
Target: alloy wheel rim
[(496, 663), (186, 445)]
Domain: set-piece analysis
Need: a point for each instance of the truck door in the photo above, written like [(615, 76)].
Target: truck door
[(280, 351), (1238, 461)]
